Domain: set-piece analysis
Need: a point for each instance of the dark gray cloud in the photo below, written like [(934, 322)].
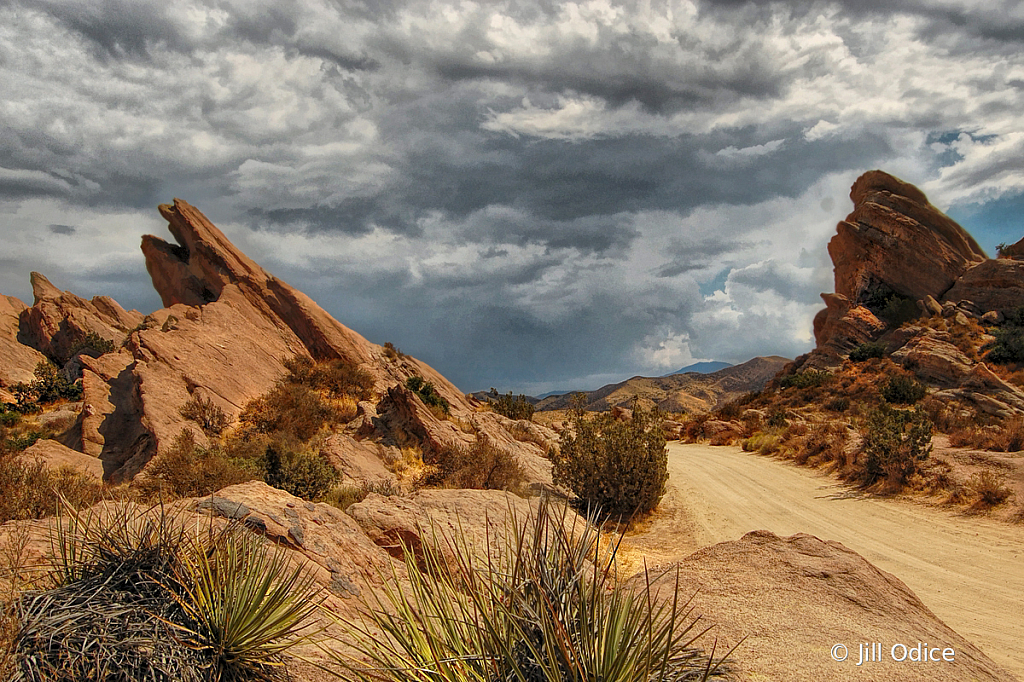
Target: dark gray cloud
[(521, 193)]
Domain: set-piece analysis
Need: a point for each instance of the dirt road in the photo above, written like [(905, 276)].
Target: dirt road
[(969, 571)]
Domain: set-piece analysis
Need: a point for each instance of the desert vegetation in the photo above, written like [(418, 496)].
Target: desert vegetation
[(132, 593), (512, 407), (429, 395), (618, 467), (483, 466), (543, 605)]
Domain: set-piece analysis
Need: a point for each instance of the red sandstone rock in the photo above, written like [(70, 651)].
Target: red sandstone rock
[(992, 285), (17, 361), (894, 237)]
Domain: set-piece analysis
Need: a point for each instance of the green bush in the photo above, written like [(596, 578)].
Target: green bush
[(895, 442), (210, 418), (866, 351), (481, 467), (540, 606), (619, 467), (1008, 348), (513, 408), (812, 378), (49, 386), (92, 342), (303, 474), (427, 393), (891, 307), (900, 389)]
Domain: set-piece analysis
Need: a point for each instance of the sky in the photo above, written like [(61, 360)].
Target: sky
[(530, 195)]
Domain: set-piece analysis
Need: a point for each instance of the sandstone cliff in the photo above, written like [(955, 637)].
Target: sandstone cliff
[(224, 335)]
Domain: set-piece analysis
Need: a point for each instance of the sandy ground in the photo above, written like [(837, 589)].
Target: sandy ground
[(968, 570)]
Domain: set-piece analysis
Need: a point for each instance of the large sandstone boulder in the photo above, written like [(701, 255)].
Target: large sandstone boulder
[(54, 455), (992, 285), (895, 238), (842, 326), (933, 358), (794, 598), (17, 361)]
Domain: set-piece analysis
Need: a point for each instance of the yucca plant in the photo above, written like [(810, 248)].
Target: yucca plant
[(136, 596), (244, 603), (541, 607)]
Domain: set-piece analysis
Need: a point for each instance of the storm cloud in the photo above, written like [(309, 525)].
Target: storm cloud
[(528, 194)]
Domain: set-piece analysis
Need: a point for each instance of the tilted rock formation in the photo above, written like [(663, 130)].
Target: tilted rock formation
[(896, 239), (895, 242), (842, 326), (224, 336), (16, 359), (58, 320)]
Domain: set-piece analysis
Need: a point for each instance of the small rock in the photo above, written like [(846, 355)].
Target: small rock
[(224, 507), (296, 535), (992, 317)]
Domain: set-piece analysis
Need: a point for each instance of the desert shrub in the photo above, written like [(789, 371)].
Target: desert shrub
[(31, 490), (345, 495), (762, 443), (304, 474), (729, 411), (776, 419), (137, 597), (866, 351), (210, 418), (91, 342), (895, 442), (391, 351), (1008, 347), (619, 467), (540, 606), (335, 377), (822, 443), (188, 470), (838, 404), (427, 393), (513, 408), (812, 378), (891, 307), (987, 490), (483, 466), (49, 386), (23, 441), (288, 408), (900, 389)]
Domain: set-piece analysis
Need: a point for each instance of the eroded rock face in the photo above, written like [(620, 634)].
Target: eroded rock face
[(58, 320), (794, 598), (992, 285), (842, 326), (896, 239), (17, 361)]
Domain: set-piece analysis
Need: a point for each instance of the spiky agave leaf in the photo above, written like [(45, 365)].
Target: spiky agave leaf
[(541, 608), (247, 605)]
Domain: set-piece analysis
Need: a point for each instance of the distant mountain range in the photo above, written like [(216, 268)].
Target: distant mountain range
[(689, 391), (701, 368)]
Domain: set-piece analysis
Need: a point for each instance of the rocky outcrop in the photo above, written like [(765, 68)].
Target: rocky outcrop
[(227, 330), (53, 455), (992, 285), (17, 361), (933, 358), (59, 320), (895, 239), (792, 599), (842, 326)]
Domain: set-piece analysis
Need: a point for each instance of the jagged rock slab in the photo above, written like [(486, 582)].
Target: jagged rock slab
[(794, 598), (54, 455), (17, 361), (991, 285), (894, 237), (59, 319)]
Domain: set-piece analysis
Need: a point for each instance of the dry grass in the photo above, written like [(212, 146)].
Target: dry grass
[(986, 489), (1006, 437)]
